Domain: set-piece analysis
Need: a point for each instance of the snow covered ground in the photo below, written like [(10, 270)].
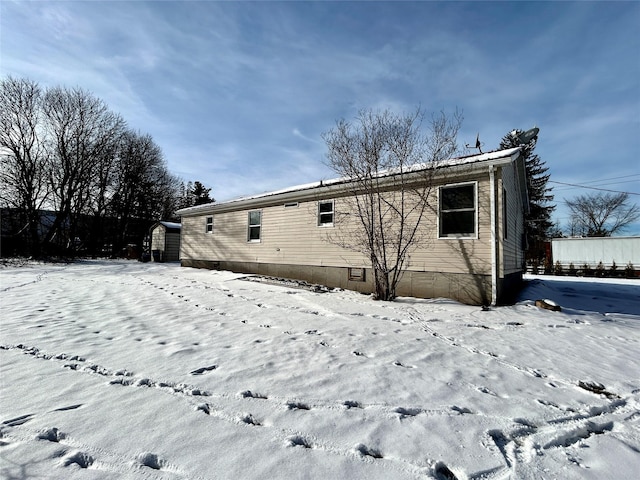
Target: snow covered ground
[(116, 369)]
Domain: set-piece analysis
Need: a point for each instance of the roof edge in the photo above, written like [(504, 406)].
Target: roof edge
[(497, 157)]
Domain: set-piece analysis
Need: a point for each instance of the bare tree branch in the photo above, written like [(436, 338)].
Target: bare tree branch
[(601, 214), (388, 162)]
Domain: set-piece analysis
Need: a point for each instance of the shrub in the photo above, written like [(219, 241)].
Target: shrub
[(572, 270), (600, 270), (558, 268), (586, 270), (629, 271), (613, 271), (535, 266)]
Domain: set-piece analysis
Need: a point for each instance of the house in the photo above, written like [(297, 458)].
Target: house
[(165, 241), (471, 247)]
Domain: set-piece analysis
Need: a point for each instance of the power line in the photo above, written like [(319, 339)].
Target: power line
[(593, 188), (600, 184), (612, 178)]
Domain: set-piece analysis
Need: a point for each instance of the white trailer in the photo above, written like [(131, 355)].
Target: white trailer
[(593, 250)]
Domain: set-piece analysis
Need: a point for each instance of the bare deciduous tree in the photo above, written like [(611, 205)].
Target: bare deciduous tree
[(22, 153), (601, 214), (64, 150), (387, 161), (83, 130), (143, 188)]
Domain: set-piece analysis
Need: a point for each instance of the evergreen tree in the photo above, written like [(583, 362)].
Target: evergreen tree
[(538, 224), (200, 194), (194, 193)]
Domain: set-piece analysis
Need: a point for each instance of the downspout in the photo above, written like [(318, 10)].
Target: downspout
[(494, 263)]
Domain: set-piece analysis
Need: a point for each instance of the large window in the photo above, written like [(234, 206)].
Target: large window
[(458, 210), (209, 225), (255, 224), (325, 213)]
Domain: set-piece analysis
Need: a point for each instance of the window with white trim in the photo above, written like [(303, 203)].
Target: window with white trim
[(325, 213), (209, 225), (458, 210), (255, 225)]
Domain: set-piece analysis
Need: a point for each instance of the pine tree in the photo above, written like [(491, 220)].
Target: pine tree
[(194, 193), (538, 222), (201, 194)]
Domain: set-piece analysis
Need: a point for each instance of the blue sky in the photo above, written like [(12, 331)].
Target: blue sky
[(237, 94)]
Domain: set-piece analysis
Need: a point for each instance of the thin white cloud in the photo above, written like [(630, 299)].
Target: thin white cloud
[(238, 94)]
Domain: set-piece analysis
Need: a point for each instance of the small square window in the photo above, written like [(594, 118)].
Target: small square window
[(255, 224), (325, 213), (209, 225)]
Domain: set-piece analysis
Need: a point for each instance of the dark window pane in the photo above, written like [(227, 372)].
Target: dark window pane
[(326, 218), (254, 233), (254, 218), (326, 207), (454, 198), (458, 223)]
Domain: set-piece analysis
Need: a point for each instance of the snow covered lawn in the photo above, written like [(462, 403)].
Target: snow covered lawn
[(115, 369)]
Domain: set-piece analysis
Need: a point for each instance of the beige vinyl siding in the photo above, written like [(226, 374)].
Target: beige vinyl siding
[(291, 235), (461, 255), (511, 246)]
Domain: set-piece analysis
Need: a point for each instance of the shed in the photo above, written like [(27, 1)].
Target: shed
[(165, 241)]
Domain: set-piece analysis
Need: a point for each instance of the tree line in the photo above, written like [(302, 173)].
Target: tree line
[(75, 177)]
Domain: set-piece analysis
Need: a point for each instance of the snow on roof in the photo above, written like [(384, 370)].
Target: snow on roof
[(172, 225), (452, 162)]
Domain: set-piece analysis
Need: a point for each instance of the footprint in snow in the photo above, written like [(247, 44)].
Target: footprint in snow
[(365, 451), (249, 420), (297, 406), (82, 459), (51, 435), (298, 441), (203, 370), (151, 460), (487, 391), (250, 394), (70, 407), (14, 422), (398, 363), (461, 410), (407, 412), (442, 472)]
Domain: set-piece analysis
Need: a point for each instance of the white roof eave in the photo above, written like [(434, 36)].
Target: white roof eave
[(302, 192)]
